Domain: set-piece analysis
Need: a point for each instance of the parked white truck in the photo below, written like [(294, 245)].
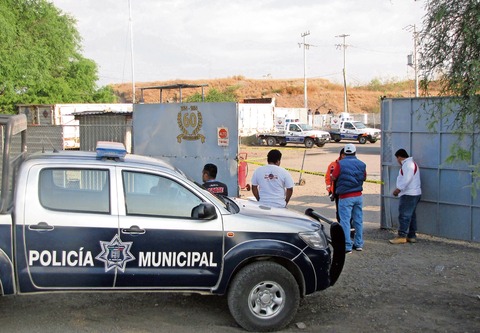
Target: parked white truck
[(292, 131), (353, 130)]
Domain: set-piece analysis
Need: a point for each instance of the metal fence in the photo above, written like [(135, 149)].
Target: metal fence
[(76, 137)]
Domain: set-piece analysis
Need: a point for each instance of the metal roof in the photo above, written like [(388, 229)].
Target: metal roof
[(178, 86)]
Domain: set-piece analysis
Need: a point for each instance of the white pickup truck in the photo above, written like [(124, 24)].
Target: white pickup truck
[(354, 130), (109, 221), (295, 132)]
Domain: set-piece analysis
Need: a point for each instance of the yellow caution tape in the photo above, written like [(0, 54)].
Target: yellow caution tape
[(316, 173)]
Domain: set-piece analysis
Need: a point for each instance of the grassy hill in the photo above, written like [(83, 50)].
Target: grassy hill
[(322, 94)]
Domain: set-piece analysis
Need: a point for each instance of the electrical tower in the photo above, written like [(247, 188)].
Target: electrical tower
[(305, 47), (344, 47)]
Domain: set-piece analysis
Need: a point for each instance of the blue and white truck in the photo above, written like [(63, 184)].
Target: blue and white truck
[(290, 131)]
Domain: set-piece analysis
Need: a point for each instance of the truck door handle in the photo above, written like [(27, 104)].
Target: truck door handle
[(41, 226), (133, 230)]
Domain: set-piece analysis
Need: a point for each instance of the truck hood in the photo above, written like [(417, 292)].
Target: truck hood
[(372, 131), (255, 215)]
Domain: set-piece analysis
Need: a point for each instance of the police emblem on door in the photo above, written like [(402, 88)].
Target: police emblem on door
[(190, 120), (115, 254)]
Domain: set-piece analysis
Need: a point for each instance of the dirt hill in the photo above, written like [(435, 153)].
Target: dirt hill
[(322, 94)]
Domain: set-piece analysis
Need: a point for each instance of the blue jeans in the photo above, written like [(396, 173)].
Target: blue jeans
[(407, 219), (351, 208)]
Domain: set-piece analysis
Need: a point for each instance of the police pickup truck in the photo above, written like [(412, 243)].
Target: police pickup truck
[(111, 221), (294, 132), (354, 130)]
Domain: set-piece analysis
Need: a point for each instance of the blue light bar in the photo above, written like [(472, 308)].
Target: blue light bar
[(107, 149)]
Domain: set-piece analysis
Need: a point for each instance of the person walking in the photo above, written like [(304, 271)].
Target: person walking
[(330, 183), (209, 175), (272, 185), (409, 190), (349, 174)]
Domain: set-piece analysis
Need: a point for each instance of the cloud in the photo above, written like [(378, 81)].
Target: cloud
[(192, 39)]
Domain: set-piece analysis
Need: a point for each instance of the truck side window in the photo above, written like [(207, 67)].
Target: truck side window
[(75, 190), (348, 126), (148, 194)]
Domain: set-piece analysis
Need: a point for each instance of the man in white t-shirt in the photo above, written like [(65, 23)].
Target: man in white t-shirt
[(271, 184)]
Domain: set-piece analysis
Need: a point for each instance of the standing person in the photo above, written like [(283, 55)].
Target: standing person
[(272, 185), (409, 190), (209, 175), (349, 174), (330, 183)]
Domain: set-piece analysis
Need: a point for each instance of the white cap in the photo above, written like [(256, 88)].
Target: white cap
[(350, 148)]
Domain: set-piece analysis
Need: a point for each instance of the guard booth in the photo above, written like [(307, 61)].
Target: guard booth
[(447, 207), (190, 135)]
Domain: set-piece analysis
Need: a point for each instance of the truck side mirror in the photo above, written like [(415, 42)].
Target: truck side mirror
[(204, 211)]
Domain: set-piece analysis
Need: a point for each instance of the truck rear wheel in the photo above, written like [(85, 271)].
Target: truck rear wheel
[(362, 140), (264, 296), (309, 142), (336, 138), (373, 140), (271, 141)]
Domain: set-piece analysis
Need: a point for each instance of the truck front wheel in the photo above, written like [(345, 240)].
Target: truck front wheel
[(264, 296), (309, 142), (271, 141), (362, 140)]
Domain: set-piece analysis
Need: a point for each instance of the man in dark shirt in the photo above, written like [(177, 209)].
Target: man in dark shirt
[(213, 186)]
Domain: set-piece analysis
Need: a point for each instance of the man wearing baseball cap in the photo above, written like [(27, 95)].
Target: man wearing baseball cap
[(349, 174)]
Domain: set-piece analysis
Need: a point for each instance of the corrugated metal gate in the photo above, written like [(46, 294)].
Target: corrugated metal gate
[(188, 136), (447, 208)]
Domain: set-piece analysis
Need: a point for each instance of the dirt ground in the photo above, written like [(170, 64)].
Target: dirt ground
[(430, 286)]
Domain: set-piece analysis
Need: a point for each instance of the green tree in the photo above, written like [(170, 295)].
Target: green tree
[(40, 59), (450, 57), (213, 95)]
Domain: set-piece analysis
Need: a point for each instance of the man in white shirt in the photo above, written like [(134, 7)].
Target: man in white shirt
[(409, 190), (272, 185)]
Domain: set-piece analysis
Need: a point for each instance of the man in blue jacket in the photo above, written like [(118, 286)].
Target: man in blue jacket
[(349, 174)]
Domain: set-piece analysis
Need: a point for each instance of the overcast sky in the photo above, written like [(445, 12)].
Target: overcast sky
[(207, 39)]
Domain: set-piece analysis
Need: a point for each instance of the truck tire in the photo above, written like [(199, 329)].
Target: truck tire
[(362, 140), (263, 296), (283, 144), (309, 142), (373, 140), (320, 144), (271, 141), (337, 138)]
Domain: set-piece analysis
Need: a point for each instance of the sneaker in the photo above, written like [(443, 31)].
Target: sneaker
[(348, 251), (398, 240), (412, 240), (358, 248)]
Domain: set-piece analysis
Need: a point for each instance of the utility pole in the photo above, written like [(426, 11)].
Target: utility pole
[(344, 46), (412, 59), (131, 50), (305, 47)]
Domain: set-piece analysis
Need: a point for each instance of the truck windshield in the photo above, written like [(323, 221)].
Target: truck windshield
[(359, 124)]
